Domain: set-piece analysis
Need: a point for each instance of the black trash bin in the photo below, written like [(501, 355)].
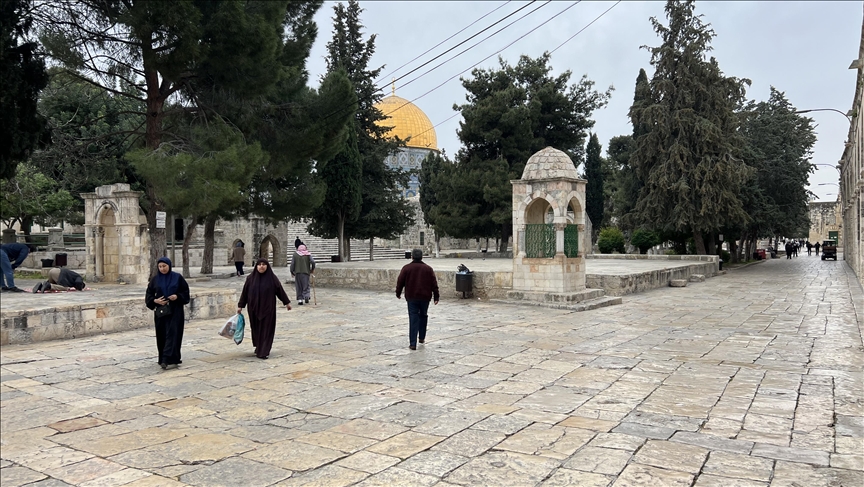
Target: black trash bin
[(407, 254), (47, 262), (60, 260), (464, 283), (335, 258)]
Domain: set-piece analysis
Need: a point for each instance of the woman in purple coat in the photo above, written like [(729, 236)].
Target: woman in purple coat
[(260, 291)]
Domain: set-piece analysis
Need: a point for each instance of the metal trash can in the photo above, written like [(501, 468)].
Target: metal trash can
[(465, 283), (47, 262), (407, 254), (60, 260), (335, 258)]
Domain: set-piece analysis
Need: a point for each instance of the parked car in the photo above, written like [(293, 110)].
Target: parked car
[(829, 249)]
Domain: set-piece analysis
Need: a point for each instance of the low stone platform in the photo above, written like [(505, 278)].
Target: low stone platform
[(105, 308)]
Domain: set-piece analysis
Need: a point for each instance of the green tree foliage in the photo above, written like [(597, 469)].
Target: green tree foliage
[(689, 159), (209, 171), (611, 239), (779, 148), (22, 76), (90, 132), (343, 175), (32, 197), (511, 113), (383, 212), (623, 182), (594, 190), (644, 240), (177, 55)]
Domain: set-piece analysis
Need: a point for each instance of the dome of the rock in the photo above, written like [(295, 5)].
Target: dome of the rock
[(408, 122)]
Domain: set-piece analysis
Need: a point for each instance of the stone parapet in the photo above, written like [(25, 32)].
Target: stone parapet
[(622, 284), (486, 284), (64, 322)]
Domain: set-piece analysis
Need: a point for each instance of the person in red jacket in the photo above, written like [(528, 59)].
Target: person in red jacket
[(420, 285)]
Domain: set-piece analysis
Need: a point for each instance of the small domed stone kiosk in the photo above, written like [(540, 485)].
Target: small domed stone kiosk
[(548, 224)]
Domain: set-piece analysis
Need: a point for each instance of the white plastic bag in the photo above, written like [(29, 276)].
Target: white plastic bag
[(230, 327)]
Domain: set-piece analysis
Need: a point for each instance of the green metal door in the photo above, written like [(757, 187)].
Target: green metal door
[(833, 236)]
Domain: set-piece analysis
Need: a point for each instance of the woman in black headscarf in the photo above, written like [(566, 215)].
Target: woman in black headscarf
[(260, 291), (168, 288)]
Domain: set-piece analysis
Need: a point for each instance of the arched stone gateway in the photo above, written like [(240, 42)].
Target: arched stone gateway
[(271, 250), (548, 228), (115, 233)]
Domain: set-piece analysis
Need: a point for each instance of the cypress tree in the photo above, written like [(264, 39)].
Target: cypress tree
[(594, 200), (689, 157)]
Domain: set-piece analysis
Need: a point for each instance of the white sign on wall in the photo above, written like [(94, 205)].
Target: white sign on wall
[(160, 219)]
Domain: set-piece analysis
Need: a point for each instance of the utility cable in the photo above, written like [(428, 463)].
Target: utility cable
[(487, 57), (553, 50), (445, 40), (468, 49), (473, 36)]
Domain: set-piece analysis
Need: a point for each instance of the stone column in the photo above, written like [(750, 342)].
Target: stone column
[(100, 234)]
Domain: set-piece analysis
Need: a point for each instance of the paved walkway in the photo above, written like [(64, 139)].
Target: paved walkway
[(753, 378)]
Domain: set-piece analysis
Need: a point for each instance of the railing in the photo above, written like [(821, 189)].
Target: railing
[(571, 241), (539, 240)]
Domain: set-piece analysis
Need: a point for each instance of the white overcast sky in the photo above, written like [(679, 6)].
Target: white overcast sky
[(802, 48)]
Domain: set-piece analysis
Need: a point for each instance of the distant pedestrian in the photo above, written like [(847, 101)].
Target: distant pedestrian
[(168, 288), (238, 255), (788, 248), (795, 249), (11, 257), (302, 267), (420, 285), (260, 291), (809, 247), (297, 243), (817, 247), (61, 279)]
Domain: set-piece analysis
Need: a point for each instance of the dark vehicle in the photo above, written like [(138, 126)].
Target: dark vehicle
[(829, 249)]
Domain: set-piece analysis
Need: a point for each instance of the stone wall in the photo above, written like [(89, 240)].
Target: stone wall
[(64, 322), (620, 285), (486, 285)]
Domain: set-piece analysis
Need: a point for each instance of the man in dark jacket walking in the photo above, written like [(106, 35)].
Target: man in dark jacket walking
[(420, 285)]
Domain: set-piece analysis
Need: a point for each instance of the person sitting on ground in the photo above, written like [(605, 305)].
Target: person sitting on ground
[(61, 279)]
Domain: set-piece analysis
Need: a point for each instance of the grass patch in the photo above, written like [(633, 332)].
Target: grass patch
[(27, 275)]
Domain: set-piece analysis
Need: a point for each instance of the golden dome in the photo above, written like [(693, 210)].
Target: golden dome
[(407, 121)]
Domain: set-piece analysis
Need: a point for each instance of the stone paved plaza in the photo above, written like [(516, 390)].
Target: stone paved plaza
[(752, 378)]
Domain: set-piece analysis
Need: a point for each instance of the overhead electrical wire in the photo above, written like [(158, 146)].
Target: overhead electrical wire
[(487, 57), (468, 49), (550, 52), (391, 73)]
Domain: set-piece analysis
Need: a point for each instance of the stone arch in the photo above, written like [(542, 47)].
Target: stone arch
[(271, 249), (107, 243), (537, 210)]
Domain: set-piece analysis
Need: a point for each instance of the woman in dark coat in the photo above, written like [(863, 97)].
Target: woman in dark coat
[(260, 291), (168, 287)]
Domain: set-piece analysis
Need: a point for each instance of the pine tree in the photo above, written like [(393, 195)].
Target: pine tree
[(511, 113), (173, 56), (689, 159), (594, 201)]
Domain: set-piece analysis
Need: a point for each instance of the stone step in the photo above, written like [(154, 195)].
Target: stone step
[(586, 305)]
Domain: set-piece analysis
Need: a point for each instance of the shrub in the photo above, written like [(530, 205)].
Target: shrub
[(644, 240), (610, 240), (725, 256)]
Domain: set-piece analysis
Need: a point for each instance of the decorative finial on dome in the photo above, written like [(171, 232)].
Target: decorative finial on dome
[(393, 86)]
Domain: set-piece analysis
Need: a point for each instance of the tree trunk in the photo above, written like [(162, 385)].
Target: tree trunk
[(437, 245), (712, 244), (188, 238), (506, 230), (371, 244), (152, 139), (700, 243), (348, 249), (733, 251), (26, 225), (209, 237), (341, 238)]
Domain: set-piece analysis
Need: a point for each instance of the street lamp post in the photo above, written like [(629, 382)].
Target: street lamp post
[(847, 115)]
